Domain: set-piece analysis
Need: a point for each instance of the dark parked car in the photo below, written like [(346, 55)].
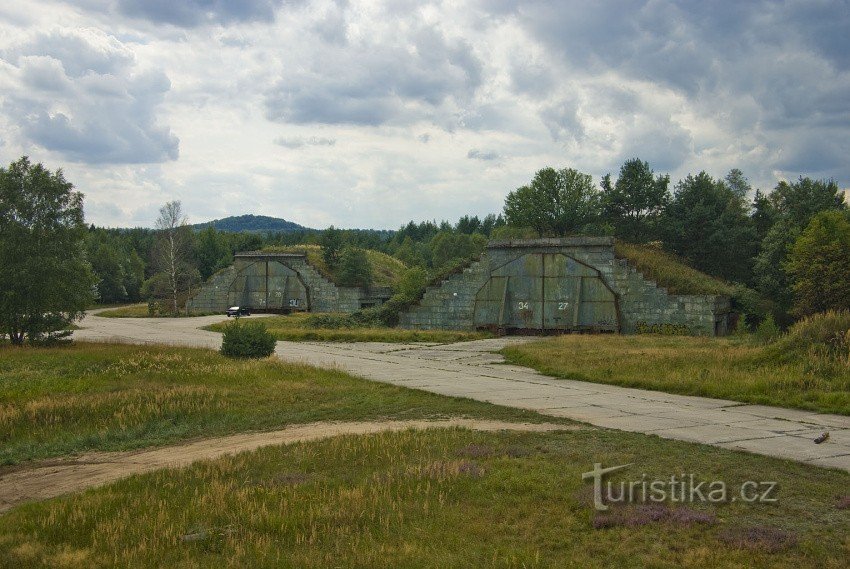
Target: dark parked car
[(238, 311)]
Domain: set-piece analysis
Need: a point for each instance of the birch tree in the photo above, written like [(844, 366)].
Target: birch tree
[(173, 255)]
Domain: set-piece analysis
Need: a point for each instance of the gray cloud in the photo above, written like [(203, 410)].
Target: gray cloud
[(190, 13), (300, 142), (562, 120), (79, 51), (486, 155), (101, 111), (412, 87), (814, 152), (664, 144), (374, 83)]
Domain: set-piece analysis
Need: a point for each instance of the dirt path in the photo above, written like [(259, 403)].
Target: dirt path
[(64, 476)]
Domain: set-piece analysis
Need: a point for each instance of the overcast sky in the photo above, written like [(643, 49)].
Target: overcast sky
[(369, 114)]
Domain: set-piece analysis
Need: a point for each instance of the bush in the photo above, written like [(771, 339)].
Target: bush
[(767, 330), (752, 306), (248, 340), (412, 283)]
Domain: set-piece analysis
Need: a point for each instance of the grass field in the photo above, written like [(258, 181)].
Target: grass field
[(439, 498), (727, 368), (293, 327), (57, 401)]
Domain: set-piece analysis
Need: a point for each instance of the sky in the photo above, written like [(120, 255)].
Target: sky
[(370, 114)]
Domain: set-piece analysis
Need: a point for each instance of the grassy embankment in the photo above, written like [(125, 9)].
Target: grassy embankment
[(296, 327), (807, 368), (386, 269), (440, 498), (670, 272), (57, 401)]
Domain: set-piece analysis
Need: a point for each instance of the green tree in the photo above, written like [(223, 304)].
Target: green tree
[(45, 282), (332, 243), (448, 247), (738, 183), (801, 200), (770, 276), (819, 265), (707, 224), (134, 275), (354, 268), (413, 254), (635, 202), (763, 214), (117, 266), (469, 225), (555, 203), (779, 218), (212, 252), (106, 263)]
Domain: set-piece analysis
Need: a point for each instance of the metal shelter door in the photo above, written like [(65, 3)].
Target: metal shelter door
[(286, 291), (546, 291), (269, 285)]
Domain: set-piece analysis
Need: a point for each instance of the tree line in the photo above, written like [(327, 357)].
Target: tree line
[(791, 244)]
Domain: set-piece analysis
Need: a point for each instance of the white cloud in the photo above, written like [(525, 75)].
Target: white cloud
[(370, 113), (79, 93)]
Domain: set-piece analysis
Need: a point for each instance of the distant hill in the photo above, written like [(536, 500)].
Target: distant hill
[(251, 223)]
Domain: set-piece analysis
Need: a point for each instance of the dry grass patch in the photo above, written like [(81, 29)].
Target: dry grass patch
[(70, 399), (726, 368), (407, 499)]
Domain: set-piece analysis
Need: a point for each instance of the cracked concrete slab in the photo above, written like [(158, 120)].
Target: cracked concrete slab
[(457, 370)]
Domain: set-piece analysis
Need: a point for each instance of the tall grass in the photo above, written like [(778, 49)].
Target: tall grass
[(670, 272), (824, 336), (64, 400), (440, 498), (726, 368)]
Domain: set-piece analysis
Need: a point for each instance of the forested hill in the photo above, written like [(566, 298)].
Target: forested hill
[(259, 223)]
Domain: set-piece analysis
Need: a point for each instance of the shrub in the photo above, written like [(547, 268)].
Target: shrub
[(412, 283), (248, 340), (767, 330), (333, 321), (666, 329)]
